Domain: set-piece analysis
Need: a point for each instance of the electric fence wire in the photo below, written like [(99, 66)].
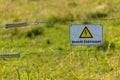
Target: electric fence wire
[(37, 22), (21, 24)]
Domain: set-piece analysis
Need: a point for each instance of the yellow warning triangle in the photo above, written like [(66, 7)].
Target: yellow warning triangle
[(86, 33)]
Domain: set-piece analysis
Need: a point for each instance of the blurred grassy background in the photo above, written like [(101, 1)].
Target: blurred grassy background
[(45, 48)]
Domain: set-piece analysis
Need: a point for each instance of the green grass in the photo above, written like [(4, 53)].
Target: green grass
[(45, 50)]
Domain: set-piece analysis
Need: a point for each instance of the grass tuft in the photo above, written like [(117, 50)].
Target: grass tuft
[(97, 15), (72, 4), (62, 19), (106, 45), (34, 32)]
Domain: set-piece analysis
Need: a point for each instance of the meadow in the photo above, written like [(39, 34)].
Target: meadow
[(45, 49)]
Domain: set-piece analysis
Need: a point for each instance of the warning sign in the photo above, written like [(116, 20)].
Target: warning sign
[(90, 34), (86, 33)]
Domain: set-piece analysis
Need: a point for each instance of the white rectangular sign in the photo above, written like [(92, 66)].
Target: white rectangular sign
[(88, 34)]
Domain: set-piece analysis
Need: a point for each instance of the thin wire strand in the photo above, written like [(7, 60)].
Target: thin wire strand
[(53, 22)]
